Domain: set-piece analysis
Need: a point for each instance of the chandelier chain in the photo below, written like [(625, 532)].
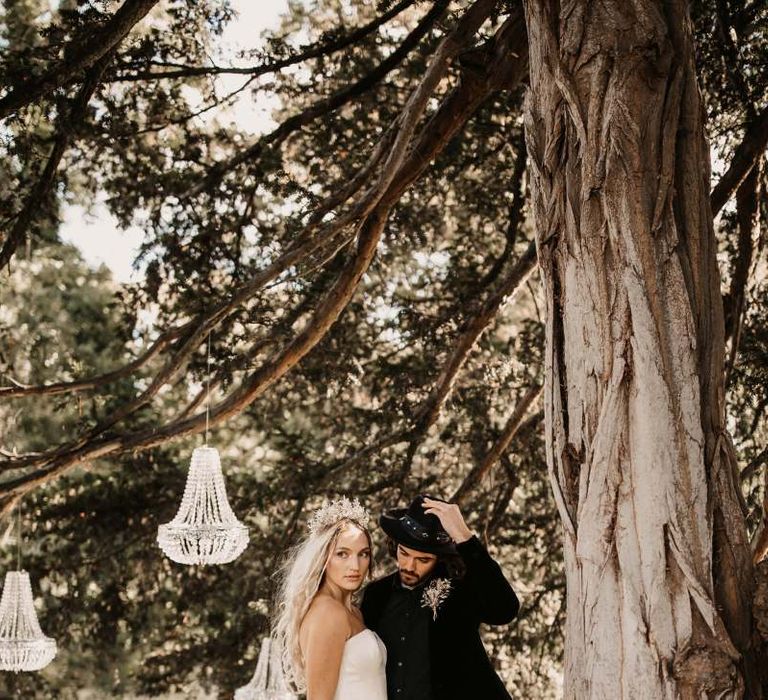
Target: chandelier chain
[(208, 389), (18, 534)]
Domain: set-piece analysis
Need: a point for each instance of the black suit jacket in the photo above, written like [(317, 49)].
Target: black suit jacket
[(460, 666)]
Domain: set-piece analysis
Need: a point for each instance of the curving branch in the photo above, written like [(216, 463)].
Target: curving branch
[(373, 211), (253, 72), (325, 48), (428, 411), (500, 65), (402, 161), (760, 541), (511, 429), (736, 299), (42, 189), (745, 156), (80, 54), (196, 334), (250, 389), (159, 345), (754, 466), (471, 332), (322, 107), (311, 238)]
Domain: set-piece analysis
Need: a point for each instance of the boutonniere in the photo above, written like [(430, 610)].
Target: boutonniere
[(435, 594)]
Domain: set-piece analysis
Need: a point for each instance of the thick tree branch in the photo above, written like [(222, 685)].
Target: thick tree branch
[(254, 386), (373, 218), (42, 189), (754, 465), (515, 211), (325, 48), (505, 66), (162, 342), (745, 156), (472, 330), (747, 217), (325, 106), (406, 161), (479, 471), (79, 55), (760, 544), (428, 411)]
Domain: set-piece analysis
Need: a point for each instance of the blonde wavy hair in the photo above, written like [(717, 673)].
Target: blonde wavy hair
[(300, 578)]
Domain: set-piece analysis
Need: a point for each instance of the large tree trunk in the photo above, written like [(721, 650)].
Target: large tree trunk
[(658, 565)]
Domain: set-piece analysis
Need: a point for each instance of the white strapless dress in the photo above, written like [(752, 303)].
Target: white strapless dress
[(363, 668)]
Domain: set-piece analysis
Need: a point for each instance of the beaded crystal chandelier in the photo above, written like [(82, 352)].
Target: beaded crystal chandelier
[(205, 530), (268, 682), (23, 646)]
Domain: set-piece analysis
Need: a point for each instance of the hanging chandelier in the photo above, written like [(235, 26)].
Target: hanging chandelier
[(268, 681), (205, 530), (23, 646)]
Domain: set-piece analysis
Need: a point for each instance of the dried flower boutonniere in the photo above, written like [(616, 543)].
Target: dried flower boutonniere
[(434, 595)]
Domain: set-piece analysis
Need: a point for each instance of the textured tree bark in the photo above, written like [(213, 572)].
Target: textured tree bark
[(658, 563)]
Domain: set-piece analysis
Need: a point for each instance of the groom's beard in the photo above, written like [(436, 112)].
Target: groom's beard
[(409, 578)]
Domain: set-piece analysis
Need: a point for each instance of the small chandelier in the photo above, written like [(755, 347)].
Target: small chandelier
[(205, 530), (268, 681), (23, 646)]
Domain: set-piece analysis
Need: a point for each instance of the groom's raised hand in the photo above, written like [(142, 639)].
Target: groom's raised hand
[(450, 518)]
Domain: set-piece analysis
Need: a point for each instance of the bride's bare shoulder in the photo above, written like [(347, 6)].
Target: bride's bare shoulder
[(326, 613)]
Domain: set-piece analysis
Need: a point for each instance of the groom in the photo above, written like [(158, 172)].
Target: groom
[(428, 612)]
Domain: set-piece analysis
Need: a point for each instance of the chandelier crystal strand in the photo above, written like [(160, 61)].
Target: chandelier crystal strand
[(268, 681), (23, 646), (205, 530)]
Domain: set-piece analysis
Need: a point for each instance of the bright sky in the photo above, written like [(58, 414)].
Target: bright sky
[(97, 235)]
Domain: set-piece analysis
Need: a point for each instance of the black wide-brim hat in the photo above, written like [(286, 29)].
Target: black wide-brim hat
[(413, 528)]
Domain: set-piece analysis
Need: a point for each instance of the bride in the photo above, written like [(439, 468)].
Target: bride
[(326, 649)]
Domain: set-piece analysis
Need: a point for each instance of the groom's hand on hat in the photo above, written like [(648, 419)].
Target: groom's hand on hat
[(450, 518)]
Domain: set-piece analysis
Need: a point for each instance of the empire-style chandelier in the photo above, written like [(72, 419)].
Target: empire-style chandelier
[(23, 646), (205, 530), (268, 681)]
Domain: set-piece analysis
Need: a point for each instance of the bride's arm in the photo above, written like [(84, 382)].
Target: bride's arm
[(324, 633)]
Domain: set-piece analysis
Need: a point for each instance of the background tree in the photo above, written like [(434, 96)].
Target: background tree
[(354, 267)]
